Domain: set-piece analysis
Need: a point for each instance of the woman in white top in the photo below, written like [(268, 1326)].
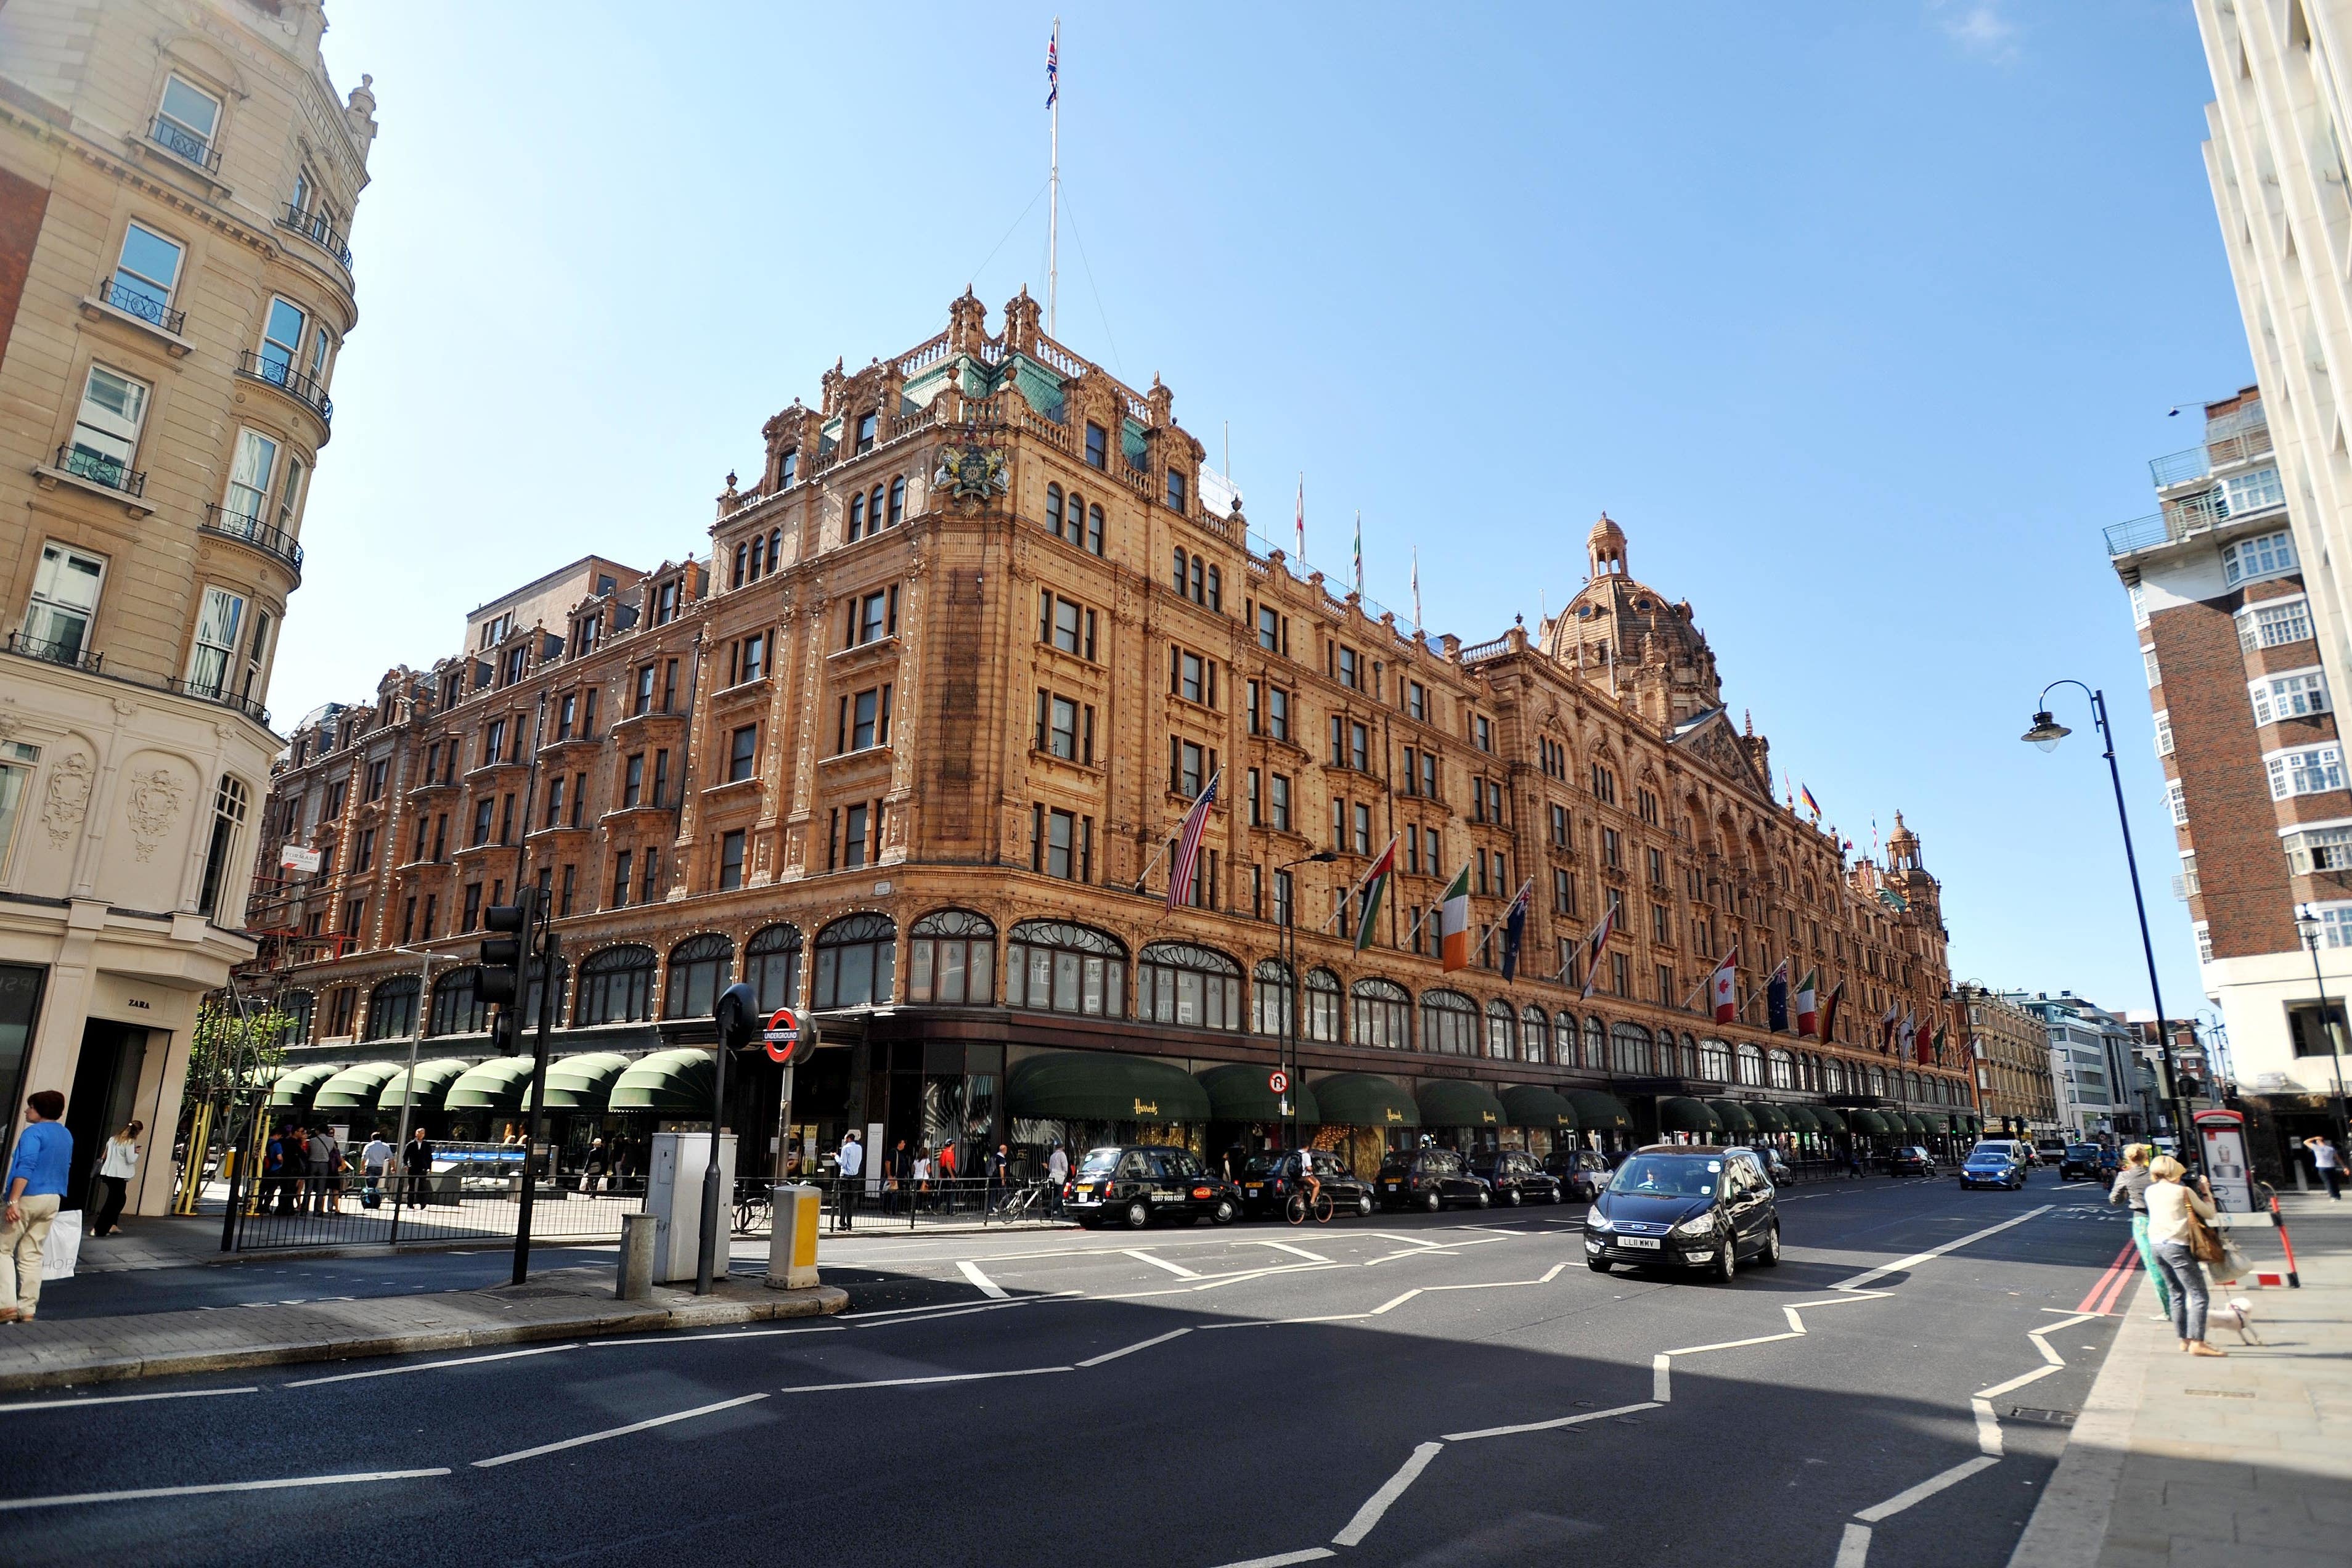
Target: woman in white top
[(116, 1166), (2170, 1202)]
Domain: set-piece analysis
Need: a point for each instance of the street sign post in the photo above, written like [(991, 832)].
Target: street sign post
[(1278, 1081), (784, 1038)]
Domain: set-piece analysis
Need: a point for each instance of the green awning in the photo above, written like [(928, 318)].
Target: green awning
[(1099, 1086), (584, 1082), (1238, 1092), (1532, 1105), (1733, 1115), (1458, 1102), (675, 1083), (1768, 1117), (1364, 1100), (1869, 1124), (354, 1087), (1937, 1124), (1830, 1121), (434, 1078), (1677, 1114), (1914, 1125), (1800, 1119), (1599, 1113), (502, 1083), (292, 1088)]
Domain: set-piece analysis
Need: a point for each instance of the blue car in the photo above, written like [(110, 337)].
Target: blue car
[(1992, 1167)]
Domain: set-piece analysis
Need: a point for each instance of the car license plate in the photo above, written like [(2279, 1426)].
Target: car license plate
[(1638, 1241), (1391, 1186), (1085, 1192)]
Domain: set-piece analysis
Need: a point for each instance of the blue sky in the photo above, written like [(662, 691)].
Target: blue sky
[(1862, 318)]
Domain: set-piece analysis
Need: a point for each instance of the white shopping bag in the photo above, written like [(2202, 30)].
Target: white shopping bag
[(62, 1251)]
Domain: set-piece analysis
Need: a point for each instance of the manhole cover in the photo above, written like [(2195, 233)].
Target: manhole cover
[(2219, 1393), (2043, 1418)]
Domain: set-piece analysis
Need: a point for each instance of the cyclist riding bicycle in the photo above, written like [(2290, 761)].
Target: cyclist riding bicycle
[(1310, 1183)]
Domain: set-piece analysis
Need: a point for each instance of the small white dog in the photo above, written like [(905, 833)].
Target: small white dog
[(2238, 1313)]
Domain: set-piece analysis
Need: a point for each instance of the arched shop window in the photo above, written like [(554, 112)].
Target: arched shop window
[(1690, 1057), (1878, 1082), (772, 966), (951, 959), (1189, 986), (1715, 1060), (1596, 1044), (458, 1004), (1322, 1019), (392, 1008), (617, 986), (1564, 1041), (302, 1006), (1449, 1022), (1782, 1068), (1632, 1048), (1502, 1042), (532, 987), (700, 967), (1380, 1013), (1270, 998), (1751, 1067), (856, 962), (1053, 966), (1534, 1033)]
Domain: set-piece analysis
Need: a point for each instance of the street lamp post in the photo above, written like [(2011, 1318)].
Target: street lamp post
[(1298, 988), (2046, 733), (2306, 924)]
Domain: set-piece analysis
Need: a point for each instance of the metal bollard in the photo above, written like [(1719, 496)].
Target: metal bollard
[(792, 1242), (636, 1279)]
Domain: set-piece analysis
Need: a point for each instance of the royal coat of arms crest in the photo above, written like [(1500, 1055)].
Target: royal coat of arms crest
[(973, 473)]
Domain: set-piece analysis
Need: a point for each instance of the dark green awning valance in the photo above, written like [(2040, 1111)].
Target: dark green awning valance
[(354, 1087), (1597, 1111), (1677, 1114), (584, 1082), (434, 1078), (1830, 1121), (1102, 1086), (1238, 1092), (502, 1083), (1937, 1125), (1733, 1115), (1914, 1124), (1364, 1100), (1458, 1102), (675, 1083), (1869, 1124), (292, 1088), (1768, 1117), (1532, 1105), (1800, 1119)]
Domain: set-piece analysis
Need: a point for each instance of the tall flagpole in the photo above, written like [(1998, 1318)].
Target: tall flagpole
[(1053, 204)]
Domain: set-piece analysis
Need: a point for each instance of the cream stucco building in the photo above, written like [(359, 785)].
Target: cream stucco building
[(176, 179)]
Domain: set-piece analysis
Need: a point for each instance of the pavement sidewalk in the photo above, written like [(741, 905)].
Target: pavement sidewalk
[(558, 1304), (2178, 1460)]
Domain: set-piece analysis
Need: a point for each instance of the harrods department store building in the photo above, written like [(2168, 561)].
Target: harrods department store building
[(906, 748)]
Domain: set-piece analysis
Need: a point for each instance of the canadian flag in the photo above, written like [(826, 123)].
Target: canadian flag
[(1723, 988)]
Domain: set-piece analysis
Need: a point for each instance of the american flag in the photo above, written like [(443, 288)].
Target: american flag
[(1054, 66), (1188, 842)]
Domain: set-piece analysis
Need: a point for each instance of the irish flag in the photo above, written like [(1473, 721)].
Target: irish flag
[(1453, 922), (1369, 892), (1809, 1014), (1723, 988)]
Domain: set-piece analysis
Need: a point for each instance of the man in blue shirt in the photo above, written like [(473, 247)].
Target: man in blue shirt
[(36, 1185)]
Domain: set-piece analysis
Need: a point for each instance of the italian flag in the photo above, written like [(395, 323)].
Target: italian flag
[(1369, 892), (1809, 1016), (1453, 922)]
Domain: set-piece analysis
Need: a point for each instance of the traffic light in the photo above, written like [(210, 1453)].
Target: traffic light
[(503, 954), (740, 1022)]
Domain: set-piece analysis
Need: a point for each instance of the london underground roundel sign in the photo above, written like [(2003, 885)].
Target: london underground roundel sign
[(783, 1037)]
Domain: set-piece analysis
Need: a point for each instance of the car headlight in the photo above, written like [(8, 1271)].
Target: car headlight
[(1698, 1225), (1598, 1222)]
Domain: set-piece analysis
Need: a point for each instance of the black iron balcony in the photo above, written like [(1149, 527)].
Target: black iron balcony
[(73, 655), (101, 469), (132, 301), (292, 381), (254, 531), (186, 144), (314, 227), (207, 693)]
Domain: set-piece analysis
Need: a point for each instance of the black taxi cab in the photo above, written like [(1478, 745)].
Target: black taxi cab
[(1133, 1184), (1268, 1180)]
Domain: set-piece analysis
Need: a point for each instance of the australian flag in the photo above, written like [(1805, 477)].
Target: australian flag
[(1776, 999)]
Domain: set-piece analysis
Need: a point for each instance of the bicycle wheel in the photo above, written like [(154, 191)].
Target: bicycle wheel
[(1294, 1209), (1322, 1208)]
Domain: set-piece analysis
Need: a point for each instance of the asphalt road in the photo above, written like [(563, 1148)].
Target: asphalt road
[(1456, 1389)]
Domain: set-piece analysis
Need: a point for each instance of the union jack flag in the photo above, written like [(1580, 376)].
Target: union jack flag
[(1188, 842), (1054, 67)]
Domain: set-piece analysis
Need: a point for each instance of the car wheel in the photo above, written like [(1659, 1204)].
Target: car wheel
[(1485, 1197), (1558, 1196), (1364, 1207), (1727, 1263), (1770, 1257), (1598, 1265), (1433, 1200), (1137, 1215), (1514, 1198), (1225, 1213)]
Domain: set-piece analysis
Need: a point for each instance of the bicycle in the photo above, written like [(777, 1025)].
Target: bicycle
[(752, 1213), (1017, 1205), (1295, 1210)]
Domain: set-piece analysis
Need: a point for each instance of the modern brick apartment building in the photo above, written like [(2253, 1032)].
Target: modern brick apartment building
[(176, 180), (907, 749)]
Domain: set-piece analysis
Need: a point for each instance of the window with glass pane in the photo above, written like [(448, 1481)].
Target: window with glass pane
[(1053, 966), (281, 340), (145, 274), (221, 850), (1449, 1022), (1380, 1013), (1501, 1043), (189, 117), (2251, 492), (617, 986), (951, 959), (700, 969), (1533, 1033), (458, 1004), (2275, 625), (16, 764), (2294, 696), (65, 601), (1564, 1041), (106, 432), (1322, 1006), (1715, 1060), (1271, 998), (1278, 800), (1192, 987), (249, 476), (2308, 772), (1062, 728), (392, 1008), (730, 859), (217, 627), (856, 962)]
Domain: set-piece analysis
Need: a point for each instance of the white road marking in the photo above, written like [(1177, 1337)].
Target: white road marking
[(988, 1287), (75, 1499), (123, 1399), (1853, 1551), (1312, 1554), (1279, 1322), (1661, 1384), (1395, 1302), (1998, 1389), (1551, 1274), (950, 1312), (1989, 1440), (1796, 1323), (426, 1366), (615, 1432), (1139, 1345), (911, 1381), (1295, 1252), (1393, 1489), (728, 1334), (1925, 1490), (1872, 1277), (1178, 1269), (1551, 1426), (1733, 1344)]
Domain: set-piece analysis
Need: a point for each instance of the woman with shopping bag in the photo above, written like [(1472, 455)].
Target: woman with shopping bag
[(2180, 1230)]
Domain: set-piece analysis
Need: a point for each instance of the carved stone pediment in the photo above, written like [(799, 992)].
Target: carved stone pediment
[(1712, 740)]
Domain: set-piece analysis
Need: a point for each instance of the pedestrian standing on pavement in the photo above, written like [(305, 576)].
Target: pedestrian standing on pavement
[(322, 1159), (294, 1164), (2173, 1207), (117, 1163), (2331, 1166), (922, 1179), (374, 1160), (35, 1186), (851, 1163), (417, 1161), (2131, 1187), (1854, 1161), (899, 1173), (1058, 1170)]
